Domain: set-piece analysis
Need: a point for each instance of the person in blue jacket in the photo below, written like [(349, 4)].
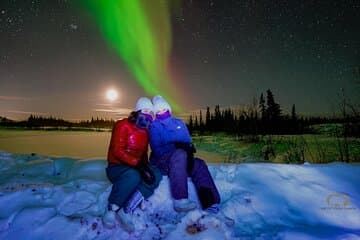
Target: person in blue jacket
[(173, 153)]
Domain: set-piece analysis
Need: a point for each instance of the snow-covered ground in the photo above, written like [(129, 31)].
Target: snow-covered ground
[(62, 198)]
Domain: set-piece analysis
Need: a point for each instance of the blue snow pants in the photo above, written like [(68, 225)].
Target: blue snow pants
[(174, 165)]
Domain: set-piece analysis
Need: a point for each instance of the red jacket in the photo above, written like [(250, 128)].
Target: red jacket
[(129, 144)]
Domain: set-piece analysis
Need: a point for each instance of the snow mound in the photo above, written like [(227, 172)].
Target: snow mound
[(64, 198)]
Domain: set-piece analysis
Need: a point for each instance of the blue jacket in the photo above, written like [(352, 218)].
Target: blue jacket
[(164, 133)]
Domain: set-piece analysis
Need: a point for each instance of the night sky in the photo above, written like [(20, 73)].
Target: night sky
[(55, 61)]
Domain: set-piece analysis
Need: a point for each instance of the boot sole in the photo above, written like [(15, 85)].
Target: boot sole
[(178, 209)]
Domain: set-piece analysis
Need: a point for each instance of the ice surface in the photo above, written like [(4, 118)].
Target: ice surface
[(64, 198)]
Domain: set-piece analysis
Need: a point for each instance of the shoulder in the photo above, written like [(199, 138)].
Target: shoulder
[(179, 121), (122, 123)]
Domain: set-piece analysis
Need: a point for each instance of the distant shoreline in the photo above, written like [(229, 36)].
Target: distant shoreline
[(87, 142), (59, 128)]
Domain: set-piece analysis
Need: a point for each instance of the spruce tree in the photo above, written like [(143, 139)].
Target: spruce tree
[(191, 123), (207, 119), (293, 113), (262, 106), (217, 118), (196, 125), (273, 109), (201, 123)]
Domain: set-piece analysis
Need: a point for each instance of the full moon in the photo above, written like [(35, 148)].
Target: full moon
[(111, 95)]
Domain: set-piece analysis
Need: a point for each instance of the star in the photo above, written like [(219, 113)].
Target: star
[(73, 26)]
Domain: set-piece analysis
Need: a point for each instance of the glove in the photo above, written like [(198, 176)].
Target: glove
[(146, 173), (187, 147), (190, 149)]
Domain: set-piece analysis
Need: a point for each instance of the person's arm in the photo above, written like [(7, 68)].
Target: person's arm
[(186, 135), (120, 150), (183, 141), (145, 158), (155, 137)]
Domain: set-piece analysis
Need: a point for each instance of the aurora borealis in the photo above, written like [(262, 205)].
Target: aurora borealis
[(140, 32)]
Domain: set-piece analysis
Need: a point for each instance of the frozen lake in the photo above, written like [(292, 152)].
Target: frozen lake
[(56, 143), (75, 144)]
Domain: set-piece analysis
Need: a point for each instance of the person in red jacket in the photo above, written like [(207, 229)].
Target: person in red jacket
[(133, 178)]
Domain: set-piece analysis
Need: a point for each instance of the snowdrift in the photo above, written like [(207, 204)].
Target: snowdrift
[(64, 198)]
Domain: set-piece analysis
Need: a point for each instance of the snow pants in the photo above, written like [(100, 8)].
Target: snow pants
[(174, 165), (126, 180)]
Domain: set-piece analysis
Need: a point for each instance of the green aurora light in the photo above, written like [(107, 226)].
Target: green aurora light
[(140, 32)]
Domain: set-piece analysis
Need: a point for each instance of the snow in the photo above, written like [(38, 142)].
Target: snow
[(43, 197)]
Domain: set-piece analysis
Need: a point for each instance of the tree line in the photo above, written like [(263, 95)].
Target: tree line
[(40, 121), (264, 116)]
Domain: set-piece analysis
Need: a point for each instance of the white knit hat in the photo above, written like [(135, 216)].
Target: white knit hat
[(160, 103), (144, 103)]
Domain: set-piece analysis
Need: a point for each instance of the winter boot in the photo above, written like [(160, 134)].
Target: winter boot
[(135, 199), (184, 205), (215, 211), (109, 219), (126, 220)]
